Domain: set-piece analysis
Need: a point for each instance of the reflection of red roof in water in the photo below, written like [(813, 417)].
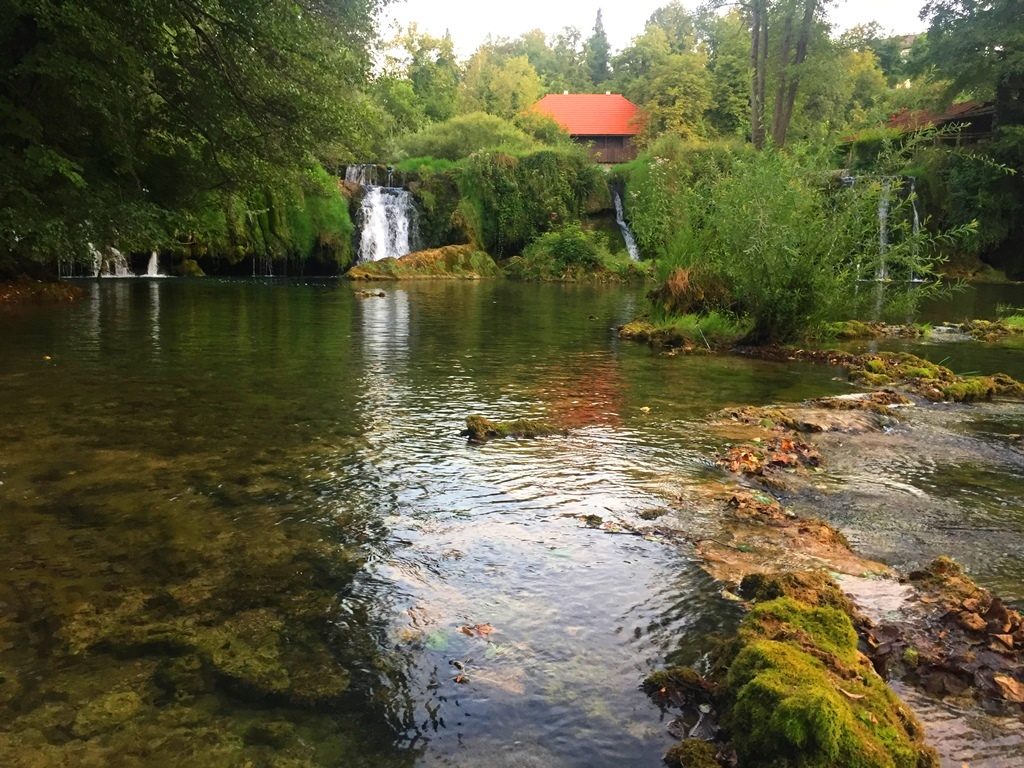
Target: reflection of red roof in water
[(963, 112), (591, 114)]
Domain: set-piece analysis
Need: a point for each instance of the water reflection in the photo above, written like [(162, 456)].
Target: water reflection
[(224, 499)]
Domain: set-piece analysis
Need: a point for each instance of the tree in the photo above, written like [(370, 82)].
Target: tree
[(791, 55), (121, 118), (728, 63), (430, 66), (497, 85), (980, 47), (597, 53)]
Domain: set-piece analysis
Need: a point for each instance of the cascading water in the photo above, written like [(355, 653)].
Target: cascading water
[(153, 268), (112, 263), (627, 233), (388, 223), (882, 272), (915, 228)]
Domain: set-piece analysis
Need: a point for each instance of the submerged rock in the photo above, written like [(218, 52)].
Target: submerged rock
[(480, 430)]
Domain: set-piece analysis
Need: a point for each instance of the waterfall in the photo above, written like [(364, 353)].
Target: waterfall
[(388, 223), (111, 264), (153, 268), (882, 273), (915, 228), (627, 233), (364, 174)]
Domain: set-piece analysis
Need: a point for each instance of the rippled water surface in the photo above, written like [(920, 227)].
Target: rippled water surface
[(240, 526)]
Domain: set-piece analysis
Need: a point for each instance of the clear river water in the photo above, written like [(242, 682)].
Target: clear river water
[(240, 527)]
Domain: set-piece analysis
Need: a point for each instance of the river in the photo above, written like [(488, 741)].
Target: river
[(240, 526)]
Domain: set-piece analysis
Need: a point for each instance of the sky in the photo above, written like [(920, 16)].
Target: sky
[(471, 21)]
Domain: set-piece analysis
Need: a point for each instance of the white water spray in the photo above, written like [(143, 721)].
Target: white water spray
[(388, 223), (627, 233)]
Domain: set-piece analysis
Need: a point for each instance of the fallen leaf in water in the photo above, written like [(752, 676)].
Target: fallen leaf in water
[(476, 630), (461, 679)]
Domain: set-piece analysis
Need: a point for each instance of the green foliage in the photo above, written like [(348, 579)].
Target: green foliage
[(463, 135), (542, 128), (788, 245), (572, 254), (597, 53), (515, 198), (498, 85), (567, 247), (121, 120)]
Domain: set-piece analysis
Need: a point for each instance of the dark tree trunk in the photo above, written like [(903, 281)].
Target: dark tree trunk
[(784, 106)]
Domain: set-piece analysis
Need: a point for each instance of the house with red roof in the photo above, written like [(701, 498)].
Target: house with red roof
[(975, 120), (607, 122)]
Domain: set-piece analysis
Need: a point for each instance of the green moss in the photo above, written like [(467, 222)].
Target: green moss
[(815, 588), (709, 331), (106, 713), (852, 329), (479, 429), (969, 389), (692, 753), (676, 679), (190, 268), (459, 262), (800, 695)]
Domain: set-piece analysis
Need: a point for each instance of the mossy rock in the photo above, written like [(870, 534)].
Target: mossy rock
[(814, 588), (190, 268), (692, 753), (459, 262), (678, 682), (479, 429), (802, 696)]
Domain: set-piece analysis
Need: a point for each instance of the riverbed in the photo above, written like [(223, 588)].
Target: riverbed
[(240, 523)]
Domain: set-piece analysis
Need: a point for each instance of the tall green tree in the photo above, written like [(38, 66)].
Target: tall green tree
[(119, 119), (598, 53), (979, 45), (498, 85)]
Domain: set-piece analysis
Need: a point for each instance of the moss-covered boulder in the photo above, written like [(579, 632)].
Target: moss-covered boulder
[(799, 693), (478, 429), (692, 753), (461, 262)]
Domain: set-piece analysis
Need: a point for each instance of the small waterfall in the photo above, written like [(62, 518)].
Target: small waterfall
[(915, 228), (153, 268), (627, 233), (388, 223), (110, 264), (882, 273), (364, 174)]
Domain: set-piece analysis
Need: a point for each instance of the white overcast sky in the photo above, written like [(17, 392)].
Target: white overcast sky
[(471, 21)]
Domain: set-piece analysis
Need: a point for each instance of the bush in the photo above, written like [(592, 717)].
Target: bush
[(771, 237), (461, 136), (567, 247), (509, 200)]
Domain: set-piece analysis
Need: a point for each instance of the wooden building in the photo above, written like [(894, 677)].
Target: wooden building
[(975, 121), (606, 122)]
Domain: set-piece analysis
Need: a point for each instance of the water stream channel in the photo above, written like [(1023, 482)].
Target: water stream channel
[(240, 526)]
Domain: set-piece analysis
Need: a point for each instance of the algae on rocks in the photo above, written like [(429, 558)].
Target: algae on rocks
[(479, 430), (460, 262), (799, 693)]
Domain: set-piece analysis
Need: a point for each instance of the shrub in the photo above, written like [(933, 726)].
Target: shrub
[(770, 236), (463, 135)]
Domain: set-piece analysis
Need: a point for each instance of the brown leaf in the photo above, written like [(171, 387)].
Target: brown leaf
[(854, 696)]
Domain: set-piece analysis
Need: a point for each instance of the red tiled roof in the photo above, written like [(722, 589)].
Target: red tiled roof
[(908, 120), (591, 114)]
